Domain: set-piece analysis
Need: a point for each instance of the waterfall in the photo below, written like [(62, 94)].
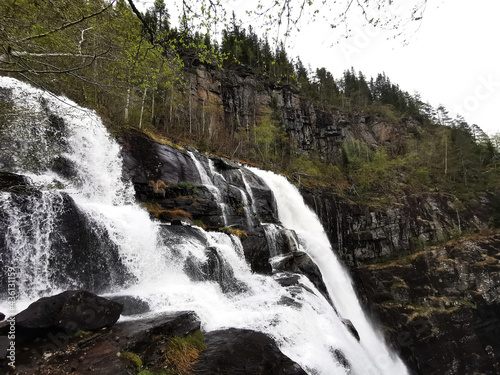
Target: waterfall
[(294, 214), (173, 268)]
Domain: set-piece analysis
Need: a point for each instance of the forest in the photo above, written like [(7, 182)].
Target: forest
[(135, 70)]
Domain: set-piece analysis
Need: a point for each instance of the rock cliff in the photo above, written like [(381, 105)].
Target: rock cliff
[(437, 300), (245, 96)]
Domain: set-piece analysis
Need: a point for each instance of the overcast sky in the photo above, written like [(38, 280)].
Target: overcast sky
[(452, 59)]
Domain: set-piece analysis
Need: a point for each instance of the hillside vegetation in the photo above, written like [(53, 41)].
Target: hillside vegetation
[(138, 72)]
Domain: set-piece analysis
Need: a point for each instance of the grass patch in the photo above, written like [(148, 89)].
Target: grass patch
[(237, 232), (182, 353), (200, 224), (160, 213), (163, 140)]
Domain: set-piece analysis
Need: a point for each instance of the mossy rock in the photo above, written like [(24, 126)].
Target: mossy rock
[(132, 360)]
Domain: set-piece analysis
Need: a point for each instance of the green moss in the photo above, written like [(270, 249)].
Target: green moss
[(132, 359)]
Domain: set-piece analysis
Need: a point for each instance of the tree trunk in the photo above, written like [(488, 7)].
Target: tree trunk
[(142, 106), (127, 106)]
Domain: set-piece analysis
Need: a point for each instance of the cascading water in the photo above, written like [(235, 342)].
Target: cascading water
[(173, 268), (295, 215), (209, 184)]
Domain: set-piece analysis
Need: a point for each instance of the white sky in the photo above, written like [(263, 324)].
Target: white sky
[(453, 59)]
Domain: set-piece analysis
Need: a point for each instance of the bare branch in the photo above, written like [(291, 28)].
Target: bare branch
[(66, 25)]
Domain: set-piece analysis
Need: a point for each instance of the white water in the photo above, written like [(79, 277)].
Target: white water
[(294, 214), (307, 330)]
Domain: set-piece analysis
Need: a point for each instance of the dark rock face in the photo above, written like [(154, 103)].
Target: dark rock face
[(256, 250), (362, 235), (68, 312), (238, 351), (442, 306), (434, 302)]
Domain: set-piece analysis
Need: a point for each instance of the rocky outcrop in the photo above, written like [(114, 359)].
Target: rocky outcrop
[(440, 307), (180, 180)]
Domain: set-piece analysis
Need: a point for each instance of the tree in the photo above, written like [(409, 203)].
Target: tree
[(283, 17), (63, 41)]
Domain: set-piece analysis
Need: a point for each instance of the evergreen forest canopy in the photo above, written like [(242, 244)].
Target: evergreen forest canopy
[(135, 69)]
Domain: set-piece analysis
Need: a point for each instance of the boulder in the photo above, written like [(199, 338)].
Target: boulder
[(241, 351), (69, 312)]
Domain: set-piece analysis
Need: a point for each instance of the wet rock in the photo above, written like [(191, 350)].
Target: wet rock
[(11, 181), (83, 249), (287, 279), (239, 351), (78, 247), (300, 262), (68, 312), (131, 305), (351, 328), (287, 301), (256, 249), (145, 159), (341, 359), (215, 268)]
